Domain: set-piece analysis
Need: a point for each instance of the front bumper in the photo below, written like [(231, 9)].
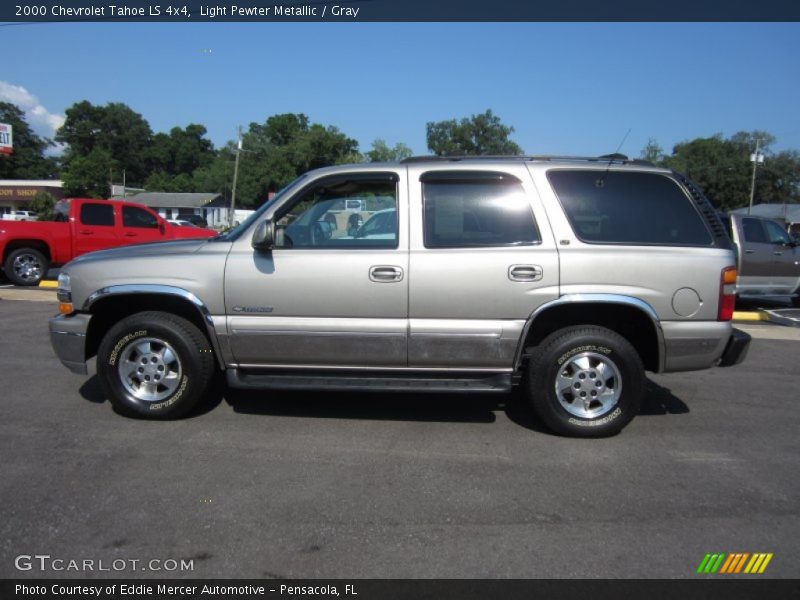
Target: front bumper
[(68, 338), (736, 350)]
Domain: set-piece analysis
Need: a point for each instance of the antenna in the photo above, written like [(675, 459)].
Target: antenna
[(611, 157)]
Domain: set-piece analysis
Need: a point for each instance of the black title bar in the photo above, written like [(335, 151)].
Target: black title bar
[(349, 11)]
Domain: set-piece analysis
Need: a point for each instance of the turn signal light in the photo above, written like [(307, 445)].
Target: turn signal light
[(727, 294), (65, 308)]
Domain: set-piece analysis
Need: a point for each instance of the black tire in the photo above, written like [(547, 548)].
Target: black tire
[(26, 266), (571, 359), (169, 352)]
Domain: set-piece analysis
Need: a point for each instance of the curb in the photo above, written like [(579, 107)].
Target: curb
[(750, 315), (48, 284)]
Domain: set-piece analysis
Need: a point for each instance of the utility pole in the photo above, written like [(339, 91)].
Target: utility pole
[(756, 159), (232, 211)]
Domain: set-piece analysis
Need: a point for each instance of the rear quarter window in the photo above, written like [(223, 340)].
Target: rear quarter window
[(614, 207)]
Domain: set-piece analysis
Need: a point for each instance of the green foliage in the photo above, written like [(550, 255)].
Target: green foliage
[(275, 153), (43, 204), (381, 152), (114, 129), (28, 160), (652, 152), (88, 175), (479, 135), (173, 157), (723, 169)]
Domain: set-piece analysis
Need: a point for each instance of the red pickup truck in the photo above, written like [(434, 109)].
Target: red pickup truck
[(28, 249)]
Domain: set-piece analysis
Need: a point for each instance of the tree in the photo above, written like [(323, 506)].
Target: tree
[(88, 175), (28, 160), (275, 153), (43, 205), (173, 158), (115, 129), (381, 152), (479, 135), (652, 152), (722, 168)]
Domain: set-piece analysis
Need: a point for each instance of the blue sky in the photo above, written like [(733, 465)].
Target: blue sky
[(566, 88)]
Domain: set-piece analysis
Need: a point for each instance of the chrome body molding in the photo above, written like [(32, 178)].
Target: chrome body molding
[(594, 298), (163, 290), (305, 367)]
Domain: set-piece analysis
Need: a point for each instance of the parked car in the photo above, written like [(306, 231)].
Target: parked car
[(567, 277), (195, 220), (768, 258), (28, 250), (20, 215)]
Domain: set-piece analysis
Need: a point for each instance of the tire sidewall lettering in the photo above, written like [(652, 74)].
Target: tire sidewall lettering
[(617, 412), (174, 398), (112, 359), (580, 349)]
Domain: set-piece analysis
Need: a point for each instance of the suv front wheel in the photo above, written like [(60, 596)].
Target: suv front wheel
[(154, 365), (585, 381)]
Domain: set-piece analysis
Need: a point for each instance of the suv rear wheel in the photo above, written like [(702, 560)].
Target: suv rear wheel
[(585, 381), (155, 365)]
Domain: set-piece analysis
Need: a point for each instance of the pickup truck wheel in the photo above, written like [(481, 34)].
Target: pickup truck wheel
[(586, 381), (155, 365), (26, 266)]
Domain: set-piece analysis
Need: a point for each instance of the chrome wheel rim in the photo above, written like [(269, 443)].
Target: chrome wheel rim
[(588, 385), (149, 369), (27, 267)]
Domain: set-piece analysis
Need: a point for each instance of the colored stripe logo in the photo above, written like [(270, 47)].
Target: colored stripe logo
[(739, 562)]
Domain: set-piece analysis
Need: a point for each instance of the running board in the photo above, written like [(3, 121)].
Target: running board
[(369, 382)]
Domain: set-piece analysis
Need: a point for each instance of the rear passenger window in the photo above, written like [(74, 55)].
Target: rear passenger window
[(628, 208), (464, 209), (97, 214)]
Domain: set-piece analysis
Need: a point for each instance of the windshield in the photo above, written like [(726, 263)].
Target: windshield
[(233, 234)]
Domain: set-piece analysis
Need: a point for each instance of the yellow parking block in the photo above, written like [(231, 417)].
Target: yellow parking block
[(750, 315), (48, 284)]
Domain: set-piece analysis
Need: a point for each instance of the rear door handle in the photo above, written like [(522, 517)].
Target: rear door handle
[(385, 274), (86, 232), (778, 253), (749, 251), (525, 272), (130, 234)]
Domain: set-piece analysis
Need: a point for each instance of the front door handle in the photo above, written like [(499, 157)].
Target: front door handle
[(778, 253), (385, 274), (525, 272), (129, 234)]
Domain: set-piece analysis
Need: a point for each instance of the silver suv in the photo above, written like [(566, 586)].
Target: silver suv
[(567, 276)]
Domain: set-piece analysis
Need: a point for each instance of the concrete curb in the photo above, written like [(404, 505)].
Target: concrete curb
[(750, 315)]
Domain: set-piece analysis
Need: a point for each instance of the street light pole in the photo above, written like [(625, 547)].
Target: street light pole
[(756, 159), (232, 211)]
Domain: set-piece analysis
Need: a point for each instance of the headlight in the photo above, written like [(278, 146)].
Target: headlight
[(64, 294)]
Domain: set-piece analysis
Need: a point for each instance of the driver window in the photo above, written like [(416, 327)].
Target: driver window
[(776, 233), (344, 213)]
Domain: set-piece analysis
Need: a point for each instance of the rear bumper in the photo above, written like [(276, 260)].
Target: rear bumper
[(68, 338), (736, 349), (693, 345)]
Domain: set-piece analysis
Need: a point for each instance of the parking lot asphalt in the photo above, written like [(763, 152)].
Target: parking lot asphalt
[(367, 485)]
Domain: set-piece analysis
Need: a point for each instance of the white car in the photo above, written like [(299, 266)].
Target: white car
[(180, 223), (20, 215)]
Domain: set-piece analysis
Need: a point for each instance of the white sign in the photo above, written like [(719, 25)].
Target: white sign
[(6, 144)]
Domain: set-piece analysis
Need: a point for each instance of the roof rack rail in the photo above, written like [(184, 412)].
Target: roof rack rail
[(608, 158)]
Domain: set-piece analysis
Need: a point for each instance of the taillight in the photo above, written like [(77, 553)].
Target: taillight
[(727, 294)]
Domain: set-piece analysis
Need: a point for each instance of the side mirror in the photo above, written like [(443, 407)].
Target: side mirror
[(162, 227), (264, 235)]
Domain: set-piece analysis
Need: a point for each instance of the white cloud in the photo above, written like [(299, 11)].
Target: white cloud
[(39, 118)]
